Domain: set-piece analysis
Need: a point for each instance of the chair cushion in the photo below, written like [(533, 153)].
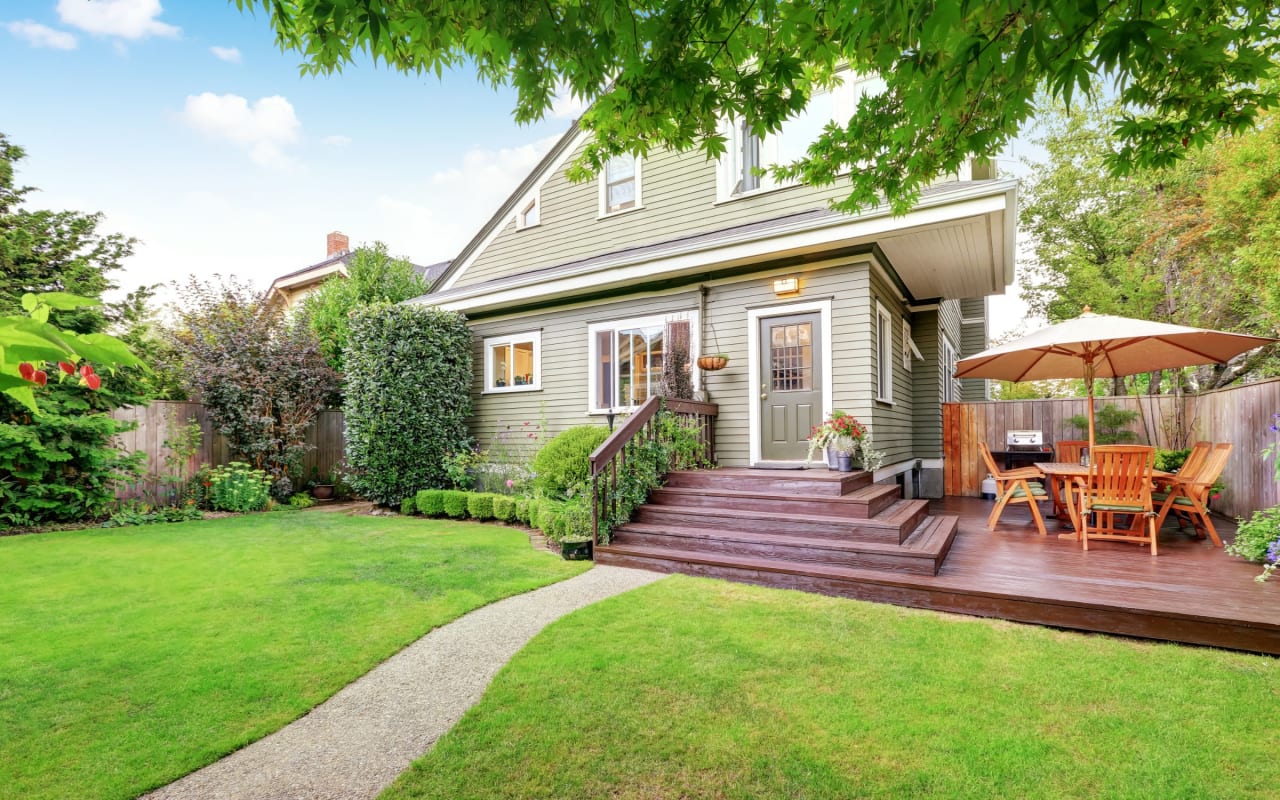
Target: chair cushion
[(1180, 500), (1037, 490), (1129, 509)]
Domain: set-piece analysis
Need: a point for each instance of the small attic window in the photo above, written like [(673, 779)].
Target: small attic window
[(620, 185), (530, 214)]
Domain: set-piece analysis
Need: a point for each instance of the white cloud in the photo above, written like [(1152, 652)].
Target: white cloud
[(263, 129), (493, 174), (337, 140), (38, 35), (126, 19), (229, 54), (564, 105)]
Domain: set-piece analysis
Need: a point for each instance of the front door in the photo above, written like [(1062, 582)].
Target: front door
[(790, 393)]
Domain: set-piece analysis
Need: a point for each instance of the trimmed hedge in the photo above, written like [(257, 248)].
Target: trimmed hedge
[(407, 506), (504, 508), (408, 396), (564, 464), (455, 503), (480, 505), (522, 510), (431, 502)]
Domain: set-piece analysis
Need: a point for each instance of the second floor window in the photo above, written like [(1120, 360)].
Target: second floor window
[(621, 185)]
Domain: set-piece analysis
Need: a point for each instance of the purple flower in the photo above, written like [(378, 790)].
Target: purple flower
[(1273, 552)]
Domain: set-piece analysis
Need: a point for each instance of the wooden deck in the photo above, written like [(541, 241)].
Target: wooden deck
[(1192, 592)]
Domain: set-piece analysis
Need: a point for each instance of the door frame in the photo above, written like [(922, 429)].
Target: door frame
[(754, 315)]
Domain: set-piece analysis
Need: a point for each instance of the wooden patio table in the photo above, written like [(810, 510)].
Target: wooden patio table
[(1062, 476)]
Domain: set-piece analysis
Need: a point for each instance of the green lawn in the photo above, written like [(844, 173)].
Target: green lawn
[(130, 657), (693, 688)]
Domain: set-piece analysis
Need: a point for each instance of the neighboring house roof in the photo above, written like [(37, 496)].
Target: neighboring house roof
[(967, 211), (292, 282)]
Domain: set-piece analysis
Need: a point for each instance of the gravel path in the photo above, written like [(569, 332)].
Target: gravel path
[(357, 742)]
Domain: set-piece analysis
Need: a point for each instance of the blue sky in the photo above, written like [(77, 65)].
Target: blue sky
[(190, 130), (233, 162)]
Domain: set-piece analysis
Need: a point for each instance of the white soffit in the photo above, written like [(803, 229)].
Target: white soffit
[(962, 259)]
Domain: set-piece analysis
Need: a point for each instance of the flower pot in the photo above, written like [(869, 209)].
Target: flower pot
[(712, 363), (575, 551), (831, 458), (323, 491), (844, 463)]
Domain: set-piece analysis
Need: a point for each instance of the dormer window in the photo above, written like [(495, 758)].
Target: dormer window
[(530, 214), (620, 185)]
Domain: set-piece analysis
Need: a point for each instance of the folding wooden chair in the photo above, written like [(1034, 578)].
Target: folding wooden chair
[(1066, 451), (1119, 483), (1188, 494), (1025, 485), (1195, 459)]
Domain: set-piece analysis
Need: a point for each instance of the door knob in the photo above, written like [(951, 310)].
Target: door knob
[(763, 396)]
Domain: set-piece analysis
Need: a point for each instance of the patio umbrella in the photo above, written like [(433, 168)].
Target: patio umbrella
[(1100, 346)]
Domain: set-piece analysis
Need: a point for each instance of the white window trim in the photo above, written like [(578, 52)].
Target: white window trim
[(884, 356), (534, 200), (754, 379), (908, 345), (639, 322), (602, 211), (497, 341), (947, 375)]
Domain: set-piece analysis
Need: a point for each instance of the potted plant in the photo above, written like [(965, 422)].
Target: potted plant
[(713, 362), (838, 435), (321, 485)]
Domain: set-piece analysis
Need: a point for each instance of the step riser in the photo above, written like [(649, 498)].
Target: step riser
[(844, 530), (910, 563), (840, 509), (740, 574), (770, 483), (911, 523)]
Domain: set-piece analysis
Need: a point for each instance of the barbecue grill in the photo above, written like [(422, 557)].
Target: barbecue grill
[(1024, 447)]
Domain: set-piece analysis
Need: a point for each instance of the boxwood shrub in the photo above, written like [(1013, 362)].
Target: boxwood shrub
[(480, 505), (564, 464), (431, 502), (407, 506), (522, 510), (504, 508), (408, 395), (455, 503)]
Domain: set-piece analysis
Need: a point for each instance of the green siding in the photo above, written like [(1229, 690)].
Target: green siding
[(973, 340), (678, 192), (927, 417)]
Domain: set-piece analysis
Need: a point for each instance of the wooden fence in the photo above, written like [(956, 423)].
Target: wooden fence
[(1242, 415), (161, 420)]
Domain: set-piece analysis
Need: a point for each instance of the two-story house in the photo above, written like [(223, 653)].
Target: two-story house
[(573, 290)]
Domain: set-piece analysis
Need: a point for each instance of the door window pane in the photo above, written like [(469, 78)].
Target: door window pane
[(791, 357)]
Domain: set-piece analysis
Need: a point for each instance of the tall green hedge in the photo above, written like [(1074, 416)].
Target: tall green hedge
[(408, 395)]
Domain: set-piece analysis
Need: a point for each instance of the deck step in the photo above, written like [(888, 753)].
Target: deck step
[(892, 526), (918, 558), (933, 540), (861, 503), (818, 481)]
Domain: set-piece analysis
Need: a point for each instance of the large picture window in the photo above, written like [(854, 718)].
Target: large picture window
[(513, 363), (627, 357)]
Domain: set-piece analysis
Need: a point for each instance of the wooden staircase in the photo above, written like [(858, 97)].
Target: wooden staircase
[(810, 529)]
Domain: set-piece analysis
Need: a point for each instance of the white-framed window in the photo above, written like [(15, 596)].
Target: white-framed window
[(947, 368), (513, 363), (884, 354), (626, 357), (906, 345), (620, 185), (530, 214)]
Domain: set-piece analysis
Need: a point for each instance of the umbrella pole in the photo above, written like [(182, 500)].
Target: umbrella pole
[(1088, 381)]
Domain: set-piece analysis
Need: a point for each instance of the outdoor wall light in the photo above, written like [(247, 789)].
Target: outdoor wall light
[(788, 285)]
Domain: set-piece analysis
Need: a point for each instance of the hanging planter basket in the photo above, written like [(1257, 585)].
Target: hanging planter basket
[(712, 363)]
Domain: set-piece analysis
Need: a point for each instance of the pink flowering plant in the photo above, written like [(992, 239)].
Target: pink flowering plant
[(840, 431)]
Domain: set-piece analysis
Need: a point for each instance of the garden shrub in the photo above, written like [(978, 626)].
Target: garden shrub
[(1256, 535), (239, 487), (504, 508), (480, 505), (408, 396), (1171, 460), (455, 503), (563, 466), (522, 510), (408, 506), (573, 520), (431, 502), (302, 500)]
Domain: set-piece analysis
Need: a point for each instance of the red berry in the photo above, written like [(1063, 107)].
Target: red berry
[(67, 368), (86, 371), (40, 377), (93, 382), (26, 371)]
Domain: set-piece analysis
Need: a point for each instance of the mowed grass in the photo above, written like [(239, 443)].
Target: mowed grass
[(692, 688), (130, 657)]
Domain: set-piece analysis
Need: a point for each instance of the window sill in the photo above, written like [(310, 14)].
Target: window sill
[(620, 212), (882, 401), (764, 190), (520, 227), (512, 389)]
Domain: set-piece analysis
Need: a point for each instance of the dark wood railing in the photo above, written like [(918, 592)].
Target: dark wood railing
[(613, 459)]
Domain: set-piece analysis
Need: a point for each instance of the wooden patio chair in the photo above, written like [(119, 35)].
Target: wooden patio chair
[(1188, 494), (1195, 459), (1024, 485), (1119, 483), (1066, 451)]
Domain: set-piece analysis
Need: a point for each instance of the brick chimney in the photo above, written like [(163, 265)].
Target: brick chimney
[(337, 242)]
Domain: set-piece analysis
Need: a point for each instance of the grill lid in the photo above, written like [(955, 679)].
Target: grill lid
[(1024, 438)]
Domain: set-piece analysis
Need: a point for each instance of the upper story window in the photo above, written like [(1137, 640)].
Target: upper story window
[(884, 354), (530, 214), (620, 185), (513, 363)]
